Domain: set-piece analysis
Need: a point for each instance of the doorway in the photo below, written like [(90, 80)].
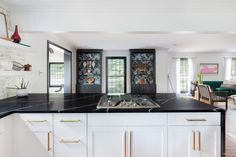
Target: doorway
[(59, 69)]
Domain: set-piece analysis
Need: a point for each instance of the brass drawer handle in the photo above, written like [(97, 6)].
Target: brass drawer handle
[(194, 141), (70, 121), (196, 120), (49, 141), (69, 141), (199, 140), (37, 121)]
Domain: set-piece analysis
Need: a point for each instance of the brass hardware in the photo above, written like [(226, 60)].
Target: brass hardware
[(70, 121), (69, 141), (37, 121), (196, 120), (199, 140), (125, 151), (194, 140), (49, 140), (130, 140)]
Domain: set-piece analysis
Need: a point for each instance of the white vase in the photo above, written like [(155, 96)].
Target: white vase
[(22, 92)]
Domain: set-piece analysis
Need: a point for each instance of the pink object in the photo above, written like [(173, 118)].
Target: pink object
[(209, 69)]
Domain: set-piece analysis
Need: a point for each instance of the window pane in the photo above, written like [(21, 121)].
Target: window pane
[(56, 74), (184, 74), (116, 75), (233, 68)]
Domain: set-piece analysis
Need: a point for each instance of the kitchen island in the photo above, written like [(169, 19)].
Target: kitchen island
[(70, 124)]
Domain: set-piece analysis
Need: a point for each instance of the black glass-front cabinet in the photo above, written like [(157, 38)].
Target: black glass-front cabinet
[(89, 71), (143, 77)]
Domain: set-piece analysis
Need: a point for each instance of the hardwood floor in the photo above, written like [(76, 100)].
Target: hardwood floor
[(230, 129)]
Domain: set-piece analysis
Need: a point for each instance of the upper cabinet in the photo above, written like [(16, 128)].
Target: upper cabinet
[(89, 70), (142, 64)]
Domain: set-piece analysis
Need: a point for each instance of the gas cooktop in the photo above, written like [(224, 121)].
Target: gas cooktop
[(126, 101)]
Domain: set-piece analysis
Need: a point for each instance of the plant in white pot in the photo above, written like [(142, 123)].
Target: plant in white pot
[(21, 91)]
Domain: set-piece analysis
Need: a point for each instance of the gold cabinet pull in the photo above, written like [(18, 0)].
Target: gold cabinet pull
[(37, 121), (125, 144), (196, 120), (70, 121), (194, 141), (49, 141), (130, 144), (199, 140), (69, 141)]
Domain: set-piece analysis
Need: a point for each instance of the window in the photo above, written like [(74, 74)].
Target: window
[(116, 74), (233, 69), (184, 75), (56, 74)]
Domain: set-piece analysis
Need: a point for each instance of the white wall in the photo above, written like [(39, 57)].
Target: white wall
[(38, 59), (161, 68), (116, 53), (210, 57)]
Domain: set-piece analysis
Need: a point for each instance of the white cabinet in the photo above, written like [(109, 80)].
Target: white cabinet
[(2, 138), (208, 141), (127, 135), (181, 141), (70, 135), (111, 135), (107, 142), (147, 142), (194, 135), (33, 135)]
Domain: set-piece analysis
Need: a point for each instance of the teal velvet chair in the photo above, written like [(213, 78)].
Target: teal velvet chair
[(213, 84)]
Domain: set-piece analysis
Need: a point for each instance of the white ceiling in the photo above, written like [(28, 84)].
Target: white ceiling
[(186, 42), (130, 5), (190, 42)]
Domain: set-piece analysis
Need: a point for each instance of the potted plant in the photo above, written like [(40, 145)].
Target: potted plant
[(21, 91)]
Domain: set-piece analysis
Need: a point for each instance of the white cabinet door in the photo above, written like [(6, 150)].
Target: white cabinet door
[(189, 141), (107, 142), (181, 141), (148, 142), (32, 137), (208, 141), (2, 145)]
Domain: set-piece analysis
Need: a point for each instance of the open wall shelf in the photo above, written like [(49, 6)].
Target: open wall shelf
[(14, 46)]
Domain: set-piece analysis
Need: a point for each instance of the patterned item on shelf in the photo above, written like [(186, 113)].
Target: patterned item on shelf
[(89, 68), (142, 69)]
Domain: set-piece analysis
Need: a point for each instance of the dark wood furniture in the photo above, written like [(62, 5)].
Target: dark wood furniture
[(206, 93), (89, 71), (142, 70)]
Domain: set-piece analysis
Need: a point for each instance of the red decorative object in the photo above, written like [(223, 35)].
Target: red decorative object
[(16, 37)]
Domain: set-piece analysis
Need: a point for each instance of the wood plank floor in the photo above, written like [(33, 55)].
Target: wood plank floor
[(230, 129)]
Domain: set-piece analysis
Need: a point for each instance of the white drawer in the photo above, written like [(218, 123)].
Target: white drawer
[(201, 118), (127, 119), (70, 141), (38, 122), (70, 119)]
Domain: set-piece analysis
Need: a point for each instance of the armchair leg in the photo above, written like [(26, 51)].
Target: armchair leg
[(226, 104)]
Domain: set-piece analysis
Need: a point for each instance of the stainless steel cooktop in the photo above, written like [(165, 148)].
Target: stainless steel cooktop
[(126, 101)]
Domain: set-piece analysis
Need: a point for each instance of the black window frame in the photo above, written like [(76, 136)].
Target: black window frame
[(125, 72), (49, 73)]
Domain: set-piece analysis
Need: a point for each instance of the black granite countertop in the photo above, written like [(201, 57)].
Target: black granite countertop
[(74, 103)]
